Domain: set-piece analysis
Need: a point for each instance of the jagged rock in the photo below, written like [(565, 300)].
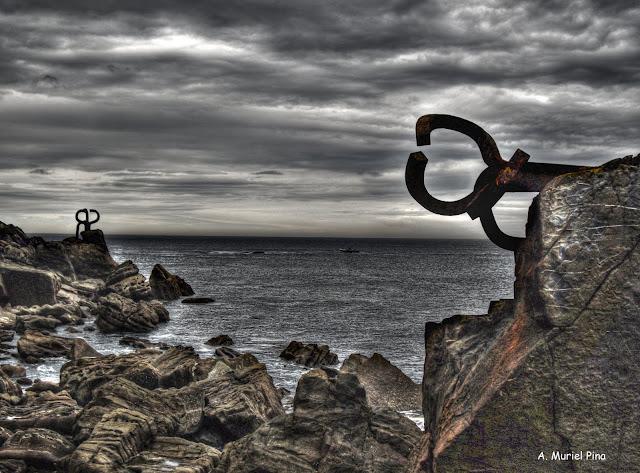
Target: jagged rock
[(239, 397), (13, 371), (117, 313), (142, 343), (36, 447), (34, 345), (557, 370), (24, 381), (49, 410), (126, 281), (7, 320), (95, 237), (386, 385), (4, 435), (332, 428), (198, 300), (8, 387), (309, 354), (40, 386), (220, 341), (179, 454), (167, 286), (123, 418), (13, 466), (226, 352), (36, 322), (150, 369), (27, 286)]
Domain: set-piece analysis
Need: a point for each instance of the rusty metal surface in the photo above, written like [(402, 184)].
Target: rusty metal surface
[(500, 176), (86, 222)]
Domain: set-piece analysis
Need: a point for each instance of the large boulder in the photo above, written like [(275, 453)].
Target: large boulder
[(127, 281), (535, 382), (49, 410), (332, 428), (117, 313), (309, 354), (167, 286), (150, 369), (123, 419), (33, 346), (40, 448), (386, 384), (27, 286)]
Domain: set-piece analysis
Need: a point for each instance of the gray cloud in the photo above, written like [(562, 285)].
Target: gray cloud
[(249, 118)]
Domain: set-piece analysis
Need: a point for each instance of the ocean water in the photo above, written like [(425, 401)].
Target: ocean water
[(305, 289)]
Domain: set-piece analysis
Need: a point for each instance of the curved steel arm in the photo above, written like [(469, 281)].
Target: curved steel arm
[(414, 178), (97, 216), (427, 123)]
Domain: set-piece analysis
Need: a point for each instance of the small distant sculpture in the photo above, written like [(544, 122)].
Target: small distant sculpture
[(86, 222), (515, 175)]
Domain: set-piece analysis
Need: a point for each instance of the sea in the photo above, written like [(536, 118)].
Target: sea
[(269, 291)]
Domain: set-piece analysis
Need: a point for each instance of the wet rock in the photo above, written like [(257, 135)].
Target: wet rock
[(36, 322), (7, 320), (127, 281), (150, 369), (386, 385), (198, 300), (34, 345), (13, 371), (167, 286), (46, 409), (309, 354), (332, 428), (142, 343), (239, 397), (27, 286), (175, 453), (226, 352), (24, 381), (39, 448), (220, 341), (117, 313), (42, 386), (81, 349), (557, 368), (8, 388)]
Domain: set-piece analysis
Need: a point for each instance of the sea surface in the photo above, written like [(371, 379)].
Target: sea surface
[(270, 291)]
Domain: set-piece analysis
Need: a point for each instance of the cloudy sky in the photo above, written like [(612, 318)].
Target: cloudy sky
[(297, 117)]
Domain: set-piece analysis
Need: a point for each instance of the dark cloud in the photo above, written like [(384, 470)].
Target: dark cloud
[(253, 115)]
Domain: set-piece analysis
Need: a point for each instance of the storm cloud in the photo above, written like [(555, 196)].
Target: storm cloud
[(296, 118)]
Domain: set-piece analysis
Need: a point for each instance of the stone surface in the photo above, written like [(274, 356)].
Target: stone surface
[(117, 313), (49, 410), (34, 345), (220, 341), (40, 448), (558, 369), (27, 286), (167, 286), (126, 281), (386, 385), (332, 429), (198, 300), (309, 354), (175, 454)]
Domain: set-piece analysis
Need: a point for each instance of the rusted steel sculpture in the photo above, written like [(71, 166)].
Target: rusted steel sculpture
[(500, 176), (86, 222)]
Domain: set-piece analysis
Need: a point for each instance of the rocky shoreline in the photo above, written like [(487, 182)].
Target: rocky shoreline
[(162, 407)]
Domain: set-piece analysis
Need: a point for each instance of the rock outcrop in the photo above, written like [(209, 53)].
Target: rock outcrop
[(558, 368), (309, 354), (386, 385), (167, 286), (117, 313), (27, 286), (332, 428)]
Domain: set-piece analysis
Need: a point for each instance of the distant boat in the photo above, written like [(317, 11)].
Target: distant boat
[(349, 250)]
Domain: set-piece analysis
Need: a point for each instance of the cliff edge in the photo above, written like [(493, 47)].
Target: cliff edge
[(549, 381)]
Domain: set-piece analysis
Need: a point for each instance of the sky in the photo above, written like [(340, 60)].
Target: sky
[(296, 118)]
